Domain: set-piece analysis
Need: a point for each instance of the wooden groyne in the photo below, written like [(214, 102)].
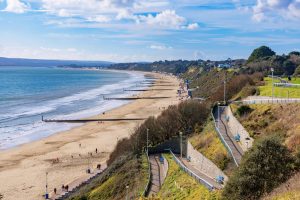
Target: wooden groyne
[(90, 120), (163, 85), (132, 98), (144, 90), (137, 90)]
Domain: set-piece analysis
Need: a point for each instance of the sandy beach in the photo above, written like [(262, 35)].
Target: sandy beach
[(23, 168)]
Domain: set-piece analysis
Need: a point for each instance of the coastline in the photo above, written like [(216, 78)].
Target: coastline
[(33, 129), (24, 167)]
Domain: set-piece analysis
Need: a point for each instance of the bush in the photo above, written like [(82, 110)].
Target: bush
[(263, 167), (192, 113), (243, 110)]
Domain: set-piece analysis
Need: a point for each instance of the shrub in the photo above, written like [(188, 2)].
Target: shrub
[(243, 110), (263, 167), (192, 113)]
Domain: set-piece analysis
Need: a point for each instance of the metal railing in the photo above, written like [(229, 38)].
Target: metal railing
[(147, 187), (191, 173), (222, 138)]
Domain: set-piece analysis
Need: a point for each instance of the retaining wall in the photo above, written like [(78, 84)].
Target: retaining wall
[(236, 127), (203, 164)]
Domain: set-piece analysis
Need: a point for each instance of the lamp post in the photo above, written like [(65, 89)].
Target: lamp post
[(46, 195), (272, 70), (225, 90), (180, 135), (147, 140), (127, 192), (219, 116)]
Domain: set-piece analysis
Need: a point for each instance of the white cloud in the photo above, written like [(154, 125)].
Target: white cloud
[(284, 8), (16, 6), (167, 19), (192, 26), (99, 18), (160, 47)]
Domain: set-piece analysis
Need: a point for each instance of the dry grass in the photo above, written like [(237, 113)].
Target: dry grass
[(274, 118), (290, 190)]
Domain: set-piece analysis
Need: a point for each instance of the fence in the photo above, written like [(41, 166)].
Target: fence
[(222, 138), (278, 78), (270, 101), (286, 85), (192, 174), (147, 187)]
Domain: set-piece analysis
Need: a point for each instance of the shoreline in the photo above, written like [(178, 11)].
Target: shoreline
[(87, 113), (24, 167)]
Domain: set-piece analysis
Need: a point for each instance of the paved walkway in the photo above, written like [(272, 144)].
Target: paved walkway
[(227, 137), (200, 174), (158, 173), (203, 164), (76, 183)]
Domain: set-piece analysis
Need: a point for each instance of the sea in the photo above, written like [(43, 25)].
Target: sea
[(28, 93)]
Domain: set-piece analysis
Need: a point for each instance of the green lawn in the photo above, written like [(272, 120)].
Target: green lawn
[(282, 92), (179, 185)]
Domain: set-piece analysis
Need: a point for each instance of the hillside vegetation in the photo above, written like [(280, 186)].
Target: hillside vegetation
[(179, 185), (127, 170), (290, 190), (265, 166), (269, 119)]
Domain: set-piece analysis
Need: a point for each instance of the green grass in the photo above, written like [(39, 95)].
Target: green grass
[(179, 185), (209, 144), (282, 92), (295, 80)]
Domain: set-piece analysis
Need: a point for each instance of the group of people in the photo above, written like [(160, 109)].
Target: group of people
[(63, 188)]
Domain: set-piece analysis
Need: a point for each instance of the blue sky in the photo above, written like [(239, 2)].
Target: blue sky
[(146, 30)]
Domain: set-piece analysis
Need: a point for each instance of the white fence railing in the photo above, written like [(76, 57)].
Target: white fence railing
[(270, 101), (286, 85)]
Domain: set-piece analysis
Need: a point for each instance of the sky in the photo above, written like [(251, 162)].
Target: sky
[(146, 30)]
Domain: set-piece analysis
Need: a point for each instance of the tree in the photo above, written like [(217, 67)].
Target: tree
[(261, 52), (289, 67), (263, 167), (296, 53), (297, 71)]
